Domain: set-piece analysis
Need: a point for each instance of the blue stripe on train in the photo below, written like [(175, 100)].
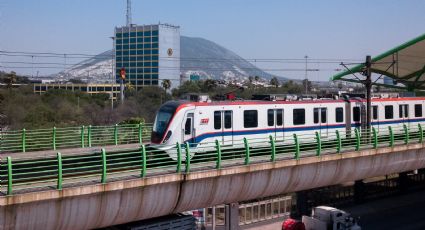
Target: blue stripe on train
[(292, 129)]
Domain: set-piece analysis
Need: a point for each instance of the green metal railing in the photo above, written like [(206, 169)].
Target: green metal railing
[(21, 175), (72, 137)]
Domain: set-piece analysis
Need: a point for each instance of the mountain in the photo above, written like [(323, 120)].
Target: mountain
[(198, 56)]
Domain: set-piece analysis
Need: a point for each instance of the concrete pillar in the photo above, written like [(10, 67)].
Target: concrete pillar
[(301, 207), (359, 191), (403, 182), (231, 216)]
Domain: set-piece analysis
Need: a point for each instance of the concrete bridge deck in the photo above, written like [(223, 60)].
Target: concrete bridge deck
[(98, 205)]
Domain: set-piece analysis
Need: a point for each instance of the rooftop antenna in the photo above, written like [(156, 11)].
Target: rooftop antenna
[(128, 13)]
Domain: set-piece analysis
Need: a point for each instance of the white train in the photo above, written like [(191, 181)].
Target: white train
[(201, 123)]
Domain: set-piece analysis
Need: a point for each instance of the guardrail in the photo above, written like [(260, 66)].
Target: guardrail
[(62, 171), (72, 137)]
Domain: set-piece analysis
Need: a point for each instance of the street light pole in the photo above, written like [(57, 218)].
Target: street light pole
[(113, 72), (306, 77), (368, 85)]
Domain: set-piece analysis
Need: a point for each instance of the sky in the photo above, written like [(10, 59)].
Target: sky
[(254, 29)]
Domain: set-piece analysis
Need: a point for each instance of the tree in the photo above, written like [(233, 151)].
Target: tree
[(166, 84), (257, 78), (11, 79), (307, 85), (274, 82)]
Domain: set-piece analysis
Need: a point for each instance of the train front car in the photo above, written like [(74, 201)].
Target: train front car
[(166, 128)]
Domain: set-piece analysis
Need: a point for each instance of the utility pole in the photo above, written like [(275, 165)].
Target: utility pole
[(368, 85), (306, 77)]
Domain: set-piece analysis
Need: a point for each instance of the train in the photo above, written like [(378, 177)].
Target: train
[(201, 123)]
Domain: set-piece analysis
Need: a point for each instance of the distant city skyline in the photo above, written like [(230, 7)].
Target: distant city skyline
[(253, 29)]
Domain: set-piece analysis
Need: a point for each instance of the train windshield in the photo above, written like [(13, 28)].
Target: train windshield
[(162, 119)]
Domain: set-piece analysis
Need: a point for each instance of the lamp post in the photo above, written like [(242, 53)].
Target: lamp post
[(113, 72), (306, 77)]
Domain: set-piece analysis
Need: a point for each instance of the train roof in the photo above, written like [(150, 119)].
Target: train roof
[(316, 101)]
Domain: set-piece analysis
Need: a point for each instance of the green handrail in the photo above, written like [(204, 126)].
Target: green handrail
[(375, 138), (143, 149), (23, 140), (89, 136), (116, 134), (421, 133), (54, 138), (357, 135), (319, 144), (82, 136), (406, 134), (103, 179), (390, 129), (179, 157), (60, 178), (187, 157), (338, 142), (247, 152), (140, 133), (218, 149), (297, 147), (273, 149), (9, 176)]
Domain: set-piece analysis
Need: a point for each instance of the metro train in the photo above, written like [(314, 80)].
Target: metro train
[(201, 123)]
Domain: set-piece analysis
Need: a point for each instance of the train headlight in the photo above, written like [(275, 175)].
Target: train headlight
[(167, 136)]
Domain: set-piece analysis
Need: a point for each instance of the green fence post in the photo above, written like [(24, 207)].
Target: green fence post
[(89, 136), (187, 157), (297, 147), (103, 179), (24, 137), (406, 134), (338, 142), (273, 148), (218, 148), (82, 136), (421, 133), (116, 134), (179, 157), (390, 129), (54, 138), (140, 133), (375, 138), (60, 179), (357, 135), (247, 152), (9, 176), (319, 144), (143, 173)]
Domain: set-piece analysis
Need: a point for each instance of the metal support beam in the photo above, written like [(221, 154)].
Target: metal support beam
[(368, 86), (231, 221)]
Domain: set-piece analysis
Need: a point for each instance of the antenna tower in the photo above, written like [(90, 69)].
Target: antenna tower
[(128, 13)]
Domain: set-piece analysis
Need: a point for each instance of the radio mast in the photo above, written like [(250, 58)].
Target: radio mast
[(128, 13)]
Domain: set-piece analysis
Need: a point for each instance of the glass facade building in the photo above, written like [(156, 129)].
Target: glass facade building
[(149, 53)]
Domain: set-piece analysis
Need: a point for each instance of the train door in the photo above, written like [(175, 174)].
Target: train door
[(403, 113), (223, 124), (275, 120), (188, 131), (320, 118)]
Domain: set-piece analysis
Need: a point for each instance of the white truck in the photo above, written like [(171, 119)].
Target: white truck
[(328, 218)]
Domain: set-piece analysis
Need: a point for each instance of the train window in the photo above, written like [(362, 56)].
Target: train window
[(270, 117), (339, 114), (227, 119), (279, 117), (418, 110), (299, 116), (389, 112), (375, 112), (356, 114), (250, 118), (188, 126), (316, 115), (403, 111), (217, 119), (323, 113)]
